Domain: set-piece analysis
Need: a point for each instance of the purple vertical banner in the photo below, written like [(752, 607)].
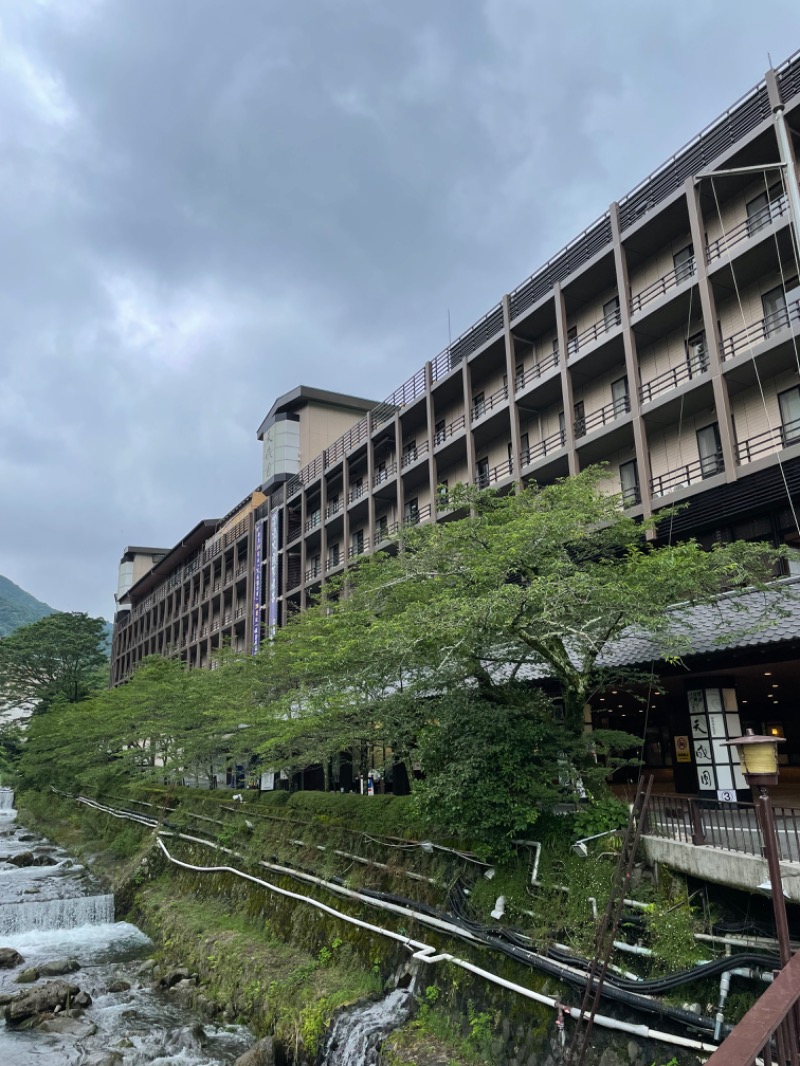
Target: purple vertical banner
[(259, 533), (274, 531)]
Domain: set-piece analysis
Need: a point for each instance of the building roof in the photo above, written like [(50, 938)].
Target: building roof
[(134, 549), (302, 395), (194, 539), (738, 620)]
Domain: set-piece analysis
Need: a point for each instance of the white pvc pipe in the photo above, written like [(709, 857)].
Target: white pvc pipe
[(632, 949), (428, 954)]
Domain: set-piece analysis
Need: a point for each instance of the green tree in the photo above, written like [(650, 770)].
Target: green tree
[(57, 658)]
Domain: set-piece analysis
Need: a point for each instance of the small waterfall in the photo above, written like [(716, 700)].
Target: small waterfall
[(6, 799), (356, 1036), (70, 913)]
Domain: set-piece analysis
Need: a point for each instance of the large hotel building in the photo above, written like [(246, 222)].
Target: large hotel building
[(663, 340)]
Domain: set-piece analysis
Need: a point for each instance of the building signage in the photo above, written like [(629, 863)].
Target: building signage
[(274, 530), (259, 534), (682, 751), (714, 719)]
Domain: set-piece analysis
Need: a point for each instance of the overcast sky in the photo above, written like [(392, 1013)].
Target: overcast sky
[(206, 202)]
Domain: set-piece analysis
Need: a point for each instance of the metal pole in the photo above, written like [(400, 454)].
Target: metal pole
[(770, 844), (787, 158)]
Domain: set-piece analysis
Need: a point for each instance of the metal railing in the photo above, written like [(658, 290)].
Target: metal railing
[(769, 441), (595, 332), (412, 454), (358, 547), (762, 330), (670, 379), (752, 225), (687, 474), (728, 826), (533, 373), (313, 572), (313, 522), (488, 403), (333, 508), (356, 493), (382, 476), (610, 413), (544, 447), (448, 431), (676, 276), (494, 474)]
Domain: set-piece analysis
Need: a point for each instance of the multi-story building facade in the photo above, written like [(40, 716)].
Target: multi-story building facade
[(662, 341)]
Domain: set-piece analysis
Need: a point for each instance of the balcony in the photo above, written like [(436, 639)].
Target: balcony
[(450, 430), (383, 475), (533, 373), (610, 413), (771, 440), (544, 447), (412, 454), (748, 228), (333, 508), (495, 474), (682, 476), (662, 286), (483, 406), (358, 548), (414, 517), (594, 333), (312, 522), (358, 492), (761, 330), (631, 496), (672, 378)]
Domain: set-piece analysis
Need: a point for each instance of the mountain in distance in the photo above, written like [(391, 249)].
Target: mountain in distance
[(18, 607)]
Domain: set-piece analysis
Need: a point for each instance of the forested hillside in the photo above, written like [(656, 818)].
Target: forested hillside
[(18, 607)]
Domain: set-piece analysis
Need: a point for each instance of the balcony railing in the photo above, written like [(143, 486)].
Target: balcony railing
[(313, 572), (415, 516), (761, 330), (533, 373), (411, 455), (356, 493), (668, 281), (358, 548), (672, 378), (595, 332), (682, 476), (748, 228), (383, 475), (769, 441), (631, 496), (448, 431), (544, 447), (488, 403), (610, 413), (313, 522), (496, 473), (333, 508)]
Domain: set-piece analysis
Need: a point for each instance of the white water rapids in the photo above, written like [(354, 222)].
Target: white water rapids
[(356, 1036), (58, 911)]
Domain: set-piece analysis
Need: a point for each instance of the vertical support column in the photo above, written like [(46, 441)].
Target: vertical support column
[(399, 486), (466, 379), (429, 422), (711, 326), (323, 526), (788, 157), (713, 720), (511, 377), (346, 506), (631, 363), (566, 379), (370, 484)]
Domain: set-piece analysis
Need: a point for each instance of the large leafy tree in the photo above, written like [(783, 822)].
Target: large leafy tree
[(62, 657)]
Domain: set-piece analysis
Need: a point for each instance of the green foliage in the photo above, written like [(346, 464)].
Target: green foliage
[(18, 608), (671, 929), (600, 815), (56, 660)]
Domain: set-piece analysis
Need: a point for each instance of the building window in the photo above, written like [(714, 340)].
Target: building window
[(620, 398), (709, 450), (440, 432), (380, 473), (572, 340), (629, 483), (382, 527), (333, 504), (442, 496), (478, 405), (524, 448), (562, 428), (313, 570), (697, 354), (357, 489), (611, 315), (579, 411), (762, 209), (683, 261), (409, 452), (519, 376), (333, 555), (482, 479), (789, 403), (358, 542), (510, 458), (313, 517), (775, 316), (411, 511)]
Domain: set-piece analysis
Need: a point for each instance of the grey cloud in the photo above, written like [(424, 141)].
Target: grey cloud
[(206, 202)]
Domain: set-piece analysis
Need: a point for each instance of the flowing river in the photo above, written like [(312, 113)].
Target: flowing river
[(56, 911)]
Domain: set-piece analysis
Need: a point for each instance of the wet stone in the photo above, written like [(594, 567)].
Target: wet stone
[(27, 977), (58, 967), (119, 985), (9, 958)]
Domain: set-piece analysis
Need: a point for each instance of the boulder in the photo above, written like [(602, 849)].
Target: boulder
[(9, 958), (261, 1054), (23, 858), (173, 976), (27, 977), (67, 1026), (119, 985), (107, 1058), (82, 1000), (40, 1000), (58, 967), (45, 860), (6, 997)]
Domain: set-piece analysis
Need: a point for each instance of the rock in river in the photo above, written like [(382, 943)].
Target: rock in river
[(9, 958), (40, 1000), (58, 967)]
